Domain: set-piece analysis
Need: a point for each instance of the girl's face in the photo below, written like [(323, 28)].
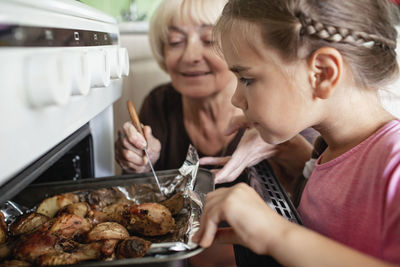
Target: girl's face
[(273, 94), (196, 70)]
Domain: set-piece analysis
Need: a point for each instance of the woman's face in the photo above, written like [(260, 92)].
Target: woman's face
[(273, 94), (196, 70)]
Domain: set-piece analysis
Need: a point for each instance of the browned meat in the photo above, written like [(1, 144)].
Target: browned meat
[(80, 209), (7, 248), (3, 229), (96, 217), (175, 203), (107, 230), (115, 212), (108, 247), (133, 247), (34, 245), (103, 197), (85, 252), (70, 226), (15, 263), (150, 219), (27, 223)]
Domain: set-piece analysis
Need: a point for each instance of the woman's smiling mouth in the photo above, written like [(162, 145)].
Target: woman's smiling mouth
[(195, 74)]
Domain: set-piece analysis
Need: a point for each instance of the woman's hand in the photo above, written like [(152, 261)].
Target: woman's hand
[(129, 148), (253, 223), (251, 150)]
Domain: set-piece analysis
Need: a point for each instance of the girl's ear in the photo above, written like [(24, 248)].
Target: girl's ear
[(325, 69)]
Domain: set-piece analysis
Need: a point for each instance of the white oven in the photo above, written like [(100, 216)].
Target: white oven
[(60, 72)]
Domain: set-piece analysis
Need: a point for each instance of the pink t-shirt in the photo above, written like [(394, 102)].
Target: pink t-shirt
[(355, 198)]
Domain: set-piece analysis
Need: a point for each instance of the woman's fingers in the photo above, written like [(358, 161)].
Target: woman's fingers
[(133, 136)]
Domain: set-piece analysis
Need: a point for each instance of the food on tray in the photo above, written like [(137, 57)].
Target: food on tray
[(3, 229), (175, 203), (132, 247), (27, 223), (149, 219), (107, 230), (15, 263), (92, 225), (50, 206)]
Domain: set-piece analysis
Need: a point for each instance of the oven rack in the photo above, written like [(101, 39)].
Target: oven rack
[(262, 178)]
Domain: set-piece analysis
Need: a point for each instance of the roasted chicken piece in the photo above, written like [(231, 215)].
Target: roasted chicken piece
[(7, 248), (3, 229), (115, 212), (80, 209), (107, 230), (175, 203), (27, 223), (149, 219), (36, 244), (101, 198), (132, 247), (50, 206), (97, 216), (110, 233), (85, 252), (15, 263), (70, 226)]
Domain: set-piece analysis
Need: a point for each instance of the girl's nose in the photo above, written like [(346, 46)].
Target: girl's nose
[(238, 100)]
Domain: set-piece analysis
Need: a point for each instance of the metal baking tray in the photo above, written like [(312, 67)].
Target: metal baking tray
[(35, 193)]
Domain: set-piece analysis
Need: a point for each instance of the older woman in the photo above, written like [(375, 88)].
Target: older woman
[(195, 107)]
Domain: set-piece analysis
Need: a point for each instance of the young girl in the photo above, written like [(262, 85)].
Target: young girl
[(318, 63)]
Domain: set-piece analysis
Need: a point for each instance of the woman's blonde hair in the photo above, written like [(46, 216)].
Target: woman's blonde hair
[(362, 30), (197, 11)]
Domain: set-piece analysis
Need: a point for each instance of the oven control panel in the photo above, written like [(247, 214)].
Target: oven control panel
[(61, 67)]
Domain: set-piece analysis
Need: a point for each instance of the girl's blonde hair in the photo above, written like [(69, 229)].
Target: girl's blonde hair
[(361, 30), (197, 11)]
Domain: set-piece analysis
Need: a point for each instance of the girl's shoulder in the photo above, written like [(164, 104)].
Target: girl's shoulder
[(388, 137)]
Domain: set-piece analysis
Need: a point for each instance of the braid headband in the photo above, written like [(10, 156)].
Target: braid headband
[(342, 35)]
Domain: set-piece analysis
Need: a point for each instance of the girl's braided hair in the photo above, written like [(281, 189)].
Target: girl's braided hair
[(362, 30)]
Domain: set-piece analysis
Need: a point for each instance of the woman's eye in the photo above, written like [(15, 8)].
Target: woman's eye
[(174, 43), (245, 81)]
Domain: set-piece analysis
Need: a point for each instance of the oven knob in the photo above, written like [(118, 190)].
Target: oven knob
[(99, 67), (124, 60), (47, 79), (115, 64), (78, 63)]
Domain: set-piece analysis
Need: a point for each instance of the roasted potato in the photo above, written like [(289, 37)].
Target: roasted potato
[(107, 230), (50, 206)]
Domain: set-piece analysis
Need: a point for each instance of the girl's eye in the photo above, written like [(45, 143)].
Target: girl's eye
[(208, 42), (245, 81)]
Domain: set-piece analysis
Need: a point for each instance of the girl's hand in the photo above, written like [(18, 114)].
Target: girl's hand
[(129, 148), (254, 224), (251, 150)]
